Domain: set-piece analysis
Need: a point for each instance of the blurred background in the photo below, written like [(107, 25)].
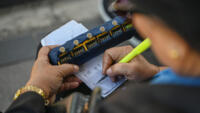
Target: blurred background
[(23, 23)]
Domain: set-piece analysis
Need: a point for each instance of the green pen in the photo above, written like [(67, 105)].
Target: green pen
[(136, 51)]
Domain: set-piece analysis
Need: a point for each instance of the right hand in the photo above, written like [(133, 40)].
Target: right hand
[(137, 69)]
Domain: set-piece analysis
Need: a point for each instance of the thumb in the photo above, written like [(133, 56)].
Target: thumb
[(67, 69), (120, 69)]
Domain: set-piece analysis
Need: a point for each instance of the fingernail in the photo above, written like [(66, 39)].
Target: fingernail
[(76, 68), (109, 71), (76, 83)]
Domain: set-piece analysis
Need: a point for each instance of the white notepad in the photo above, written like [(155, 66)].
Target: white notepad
[(90, 72)]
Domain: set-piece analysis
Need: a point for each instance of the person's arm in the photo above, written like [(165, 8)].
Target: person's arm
[(29, 102)]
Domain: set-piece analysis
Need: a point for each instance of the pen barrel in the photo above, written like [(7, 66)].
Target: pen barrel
[(136, 51)]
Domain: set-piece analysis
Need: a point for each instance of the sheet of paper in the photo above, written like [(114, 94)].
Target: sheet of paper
[(66, 32), (90, 72)]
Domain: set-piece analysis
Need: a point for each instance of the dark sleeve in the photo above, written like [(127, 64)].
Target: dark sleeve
[(153, 99), (29, 102)]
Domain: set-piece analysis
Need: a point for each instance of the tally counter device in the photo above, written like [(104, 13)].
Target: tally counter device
[(94, 42)]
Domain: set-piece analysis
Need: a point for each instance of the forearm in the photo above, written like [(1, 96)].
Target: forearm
[(29, 102)]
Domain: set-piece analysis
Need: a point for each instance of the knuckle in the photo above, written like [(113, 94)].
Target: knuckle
[(67, 86), (129, 47), (116, 69), (110, 50), (107, 51), (43, 51), (124, 69), (41, 59), (133, 66), (61, 73), (44, 48), (68, 66)]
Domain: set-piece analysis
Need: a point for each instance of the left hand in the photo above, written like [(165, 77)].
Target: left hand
[(52, 78)]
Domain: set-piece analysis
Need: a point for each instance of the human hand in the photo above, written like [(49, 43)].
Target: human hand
[(137, 69), (52, 78)]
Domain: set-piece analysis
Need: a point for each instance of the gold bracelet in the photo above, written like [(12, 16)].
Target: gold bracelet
[(33, 89)]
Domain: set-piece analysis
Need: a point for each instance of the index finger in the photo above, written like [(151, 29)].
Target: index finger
[(109, 57), (44, 51), (114, 54), (107, 62)]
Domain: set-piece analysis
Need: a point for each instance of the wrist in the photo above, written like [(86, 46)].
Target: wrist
[(45, 89), (162, 68), (154, 70), (30, 88)]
